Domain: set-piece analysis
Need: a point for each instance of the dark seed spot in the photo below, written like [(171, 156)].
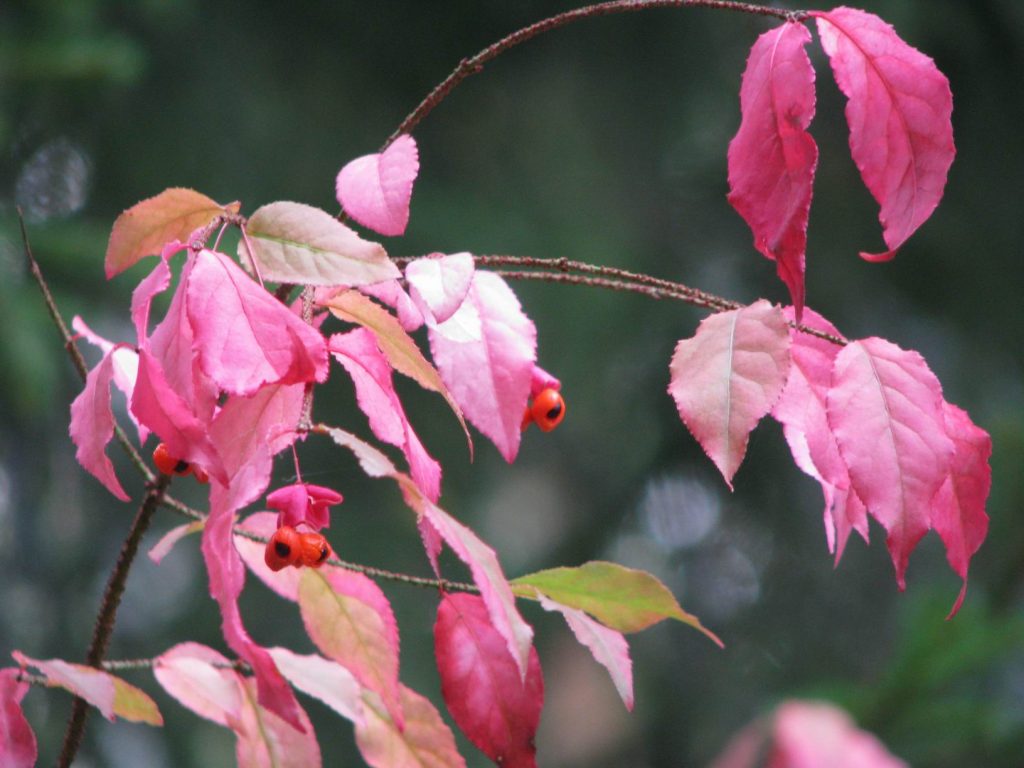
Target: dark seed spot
[(323, 554), (555, 412), (181, 466), (282, 549)]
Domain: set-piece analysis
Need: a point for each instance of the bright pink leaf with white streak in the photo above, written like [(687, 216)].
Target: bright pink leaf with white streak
[(358, 352), (92, 426), (244, 337), (803, 413), (728, 376), (375, 190), (438, 284), (772, 158), (899, 109), (885, 409), (485, 353), (497, 709), (959, 512), (18, 748)]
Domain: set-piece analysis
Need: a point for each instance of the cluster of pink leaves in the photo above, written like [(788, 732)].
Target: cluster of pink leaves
[(225, 378)]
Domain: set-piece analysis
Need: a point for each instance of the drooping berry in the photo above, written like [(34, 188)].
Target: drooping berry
[(168, 464), (313, 549), (283, 549), (548, 409)]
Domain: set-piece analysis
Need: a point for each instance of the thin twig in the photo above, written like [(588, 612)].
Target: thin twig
[(107, 615), (475, 64)]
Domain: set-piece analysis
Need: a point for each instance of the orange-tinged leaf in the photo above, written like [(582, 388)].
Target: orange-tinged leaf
[(146, 227), (396, 344), (621, 598), (425, 742), (134, 704)]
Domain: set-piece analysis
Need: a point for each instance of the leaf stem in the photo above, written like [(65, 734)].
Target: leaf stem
[(475, 64), (107, 615)]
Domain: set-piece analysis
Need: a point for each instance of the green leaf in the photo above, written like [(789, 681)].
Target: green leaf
[(297, 243), (621, 598), (146, 227), (134, 704)]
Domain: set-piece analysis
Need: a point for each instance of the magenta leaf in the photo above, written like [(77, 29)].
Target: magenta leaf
[(438, 284), (492, 704), (772, 158), (885, 409), (728, 376), (144, 228), (898, 109), (92, 426), (360, 355), (350, 620), (18, 747), (304, 503), (375, 190), (154, 283), (425, 742), (265, 740), (298, 243), (958, 514), (608, 647), (227, 577), (244, 337), (485, 353)]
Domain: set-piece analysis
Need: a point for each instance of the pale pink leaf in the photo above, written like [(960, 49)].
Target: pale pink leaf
[(360, 355), (772, 158), (92, 426), (227, 577), (159, 406), (885, 409), (374, 463), (812, 734), (488, 576), (244, 337), (350, 620), (125, 366), (297, 243), (143, 229), (425, 742), (284, 582), (322, 679), (392, 294), (485, 353), (375, 190), (156, 282), (267, 741), (958, 514), (202, 680), (899, 111), (396, 344), (492, 704), (728, 376), (112, 696), (438, 283), (162, 548), (608, 647), (18, 747)]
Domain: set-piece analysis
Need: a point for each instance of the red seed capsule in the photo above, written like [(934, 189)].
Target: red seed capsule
[(283, 549), (168, 464), (548, 409), (313, 549)]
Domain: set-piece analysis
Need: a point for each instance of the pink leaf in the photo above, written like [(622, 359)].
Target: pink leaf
[(284, 582), (375, 190), (958, 515), (304, 503), (728, 376), (392, 294), (144, 228), (492, 704), (92, 426), (154, 283), (885, 408), (815, 734), (485, 353), (772, 158), (494, 588), (439, 284), (201, 680), (244, 337), (265, 740), (227, 576), (358, 352), (18, 747), (162, 548), (899, 107), (350, 620), (608, 647), (322, 679), (425, 742)]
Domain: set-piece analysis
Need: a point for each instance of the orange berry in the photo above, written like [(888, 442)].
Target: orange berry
[(168, 464), (283, 548), (313, 549), (548, 409)]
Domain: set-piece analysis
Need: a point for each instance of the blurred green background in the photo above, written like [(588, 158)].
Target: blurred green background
[(603, 142)]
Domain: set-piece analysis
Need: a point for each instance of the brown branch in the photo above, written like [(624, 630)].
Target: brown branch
[(475, 64), (107, 615)]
